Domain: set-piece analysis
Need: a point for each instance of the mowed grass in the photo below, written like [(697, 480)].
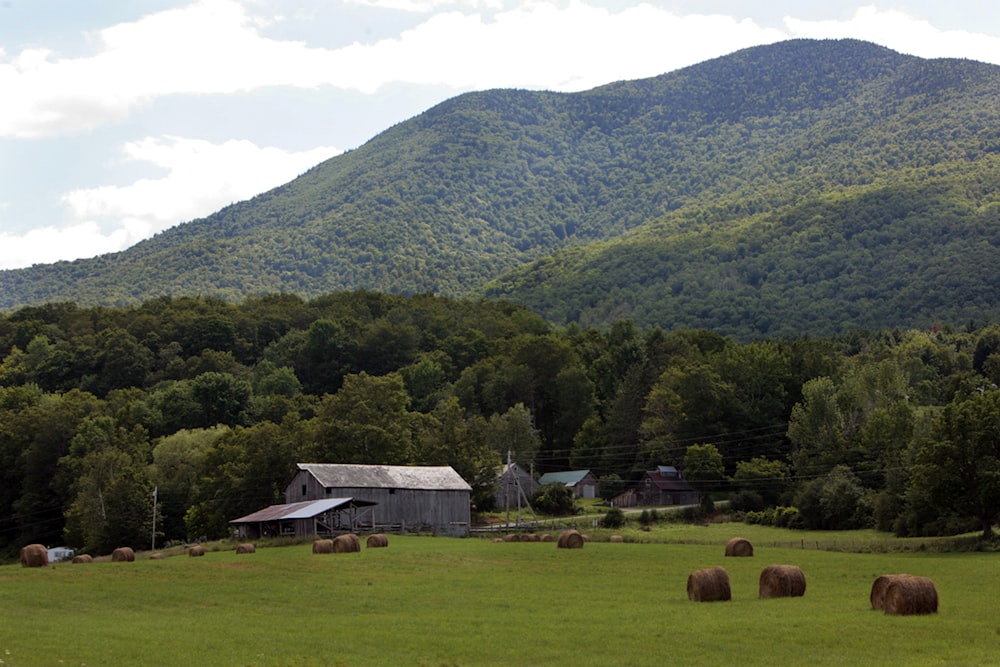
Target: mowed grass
[(440, 601)]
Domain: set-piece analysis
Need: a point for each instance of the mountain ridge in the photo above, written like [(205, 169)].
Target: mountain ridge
[(481, 188)]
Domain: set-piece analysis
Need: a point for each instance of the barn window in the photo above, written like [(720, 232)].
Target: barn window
[(392, 491), (303, 490)]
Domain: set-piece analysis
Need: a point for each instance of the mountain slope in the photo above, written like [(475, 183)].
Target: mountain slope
[(910, 255), (486, 183)]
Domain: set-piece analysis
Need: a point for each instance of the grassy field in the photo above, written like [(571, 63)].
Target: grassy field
[(439, 601)]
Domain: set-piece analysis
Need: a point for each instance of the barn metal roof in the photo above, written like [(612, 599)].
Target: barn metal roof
[(424, 478), (303, 510), (568, 477)]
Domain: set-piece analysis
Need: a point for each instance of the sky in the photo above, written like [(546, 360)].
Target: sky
[(119, 120)]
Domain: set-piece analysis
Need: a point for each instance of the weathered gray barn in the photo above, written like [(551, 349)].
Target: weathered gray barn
[(407, 498), (663, 486), (513, 484)]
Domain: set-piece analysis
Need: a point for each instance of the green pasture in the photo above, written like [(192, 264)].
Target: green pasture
[(441, 601)]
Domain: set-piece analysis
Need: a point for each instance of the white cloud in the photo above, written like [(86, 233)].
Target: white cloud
[(427, 6), (216, 47), (51, 244), (200, 178), (902, 32), (208, 47), (544, 45)]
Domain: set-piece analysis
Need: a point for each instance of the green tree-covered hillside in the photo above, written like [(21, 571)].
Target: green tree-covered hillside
[(718, 155)]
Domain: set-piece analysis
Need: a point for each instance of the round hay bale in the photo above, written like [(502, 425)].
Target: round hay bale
[(739, 547), (512, 537), (123, 555), (497, 540), (346, 544), (246, 549), (782, 581), (879, 587), (34, 555), (907, 595), (196, 550), (323, 547), (709, 585), (529, 537), (377, 541), (570, 539), (545, 537), (82, 558), (617, 539)]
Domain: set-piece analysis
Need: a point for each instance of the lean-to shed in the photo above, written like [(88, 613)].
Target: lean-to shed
[(407, 498), (328, 516)]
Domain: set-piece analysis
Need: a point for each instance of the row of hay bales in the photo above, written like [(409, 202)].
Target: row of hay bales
[(898, 594), (525, 537), (349, 543), (776, 581), (568, 539), (36, 555)]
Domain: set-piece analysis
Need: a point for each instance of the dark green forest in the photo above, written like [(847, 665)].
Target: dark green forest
[(801, 188), (212, 403)]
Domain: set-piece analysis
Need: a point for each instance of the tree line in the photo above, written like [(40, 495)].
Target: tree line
[(212, 404)]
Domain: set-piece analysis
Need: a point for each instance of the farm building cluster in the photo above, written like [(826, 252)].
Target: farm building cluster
[(332, 498)]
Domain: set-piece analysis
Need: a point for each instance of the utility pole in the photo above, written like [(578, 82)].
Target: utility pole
[(522, 494), (152, 544), (506, 487)]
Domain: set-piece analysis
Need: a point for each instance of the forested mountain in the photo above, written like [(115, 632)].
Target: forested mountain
[(802, 187)]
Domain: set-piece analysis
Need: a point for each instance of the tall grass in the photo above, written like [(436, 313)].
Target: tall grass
[(438, 601)]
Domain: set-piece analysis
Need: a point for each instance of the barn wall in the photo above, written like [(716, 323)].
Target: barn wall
[(314, 490), (415, 509)]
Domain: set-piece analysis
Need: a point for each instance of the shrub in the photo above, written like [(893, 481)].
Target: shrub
[(693, 514), (554, 499), (746, 501), (614, 518), (836, 501), (782, 517)]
